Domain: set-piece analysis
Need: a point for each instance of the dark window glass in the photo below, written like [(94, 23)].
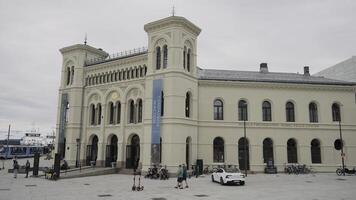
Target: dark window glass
[(266, 111), (218, 110), (139, 111), (290, 112), (132, 112), (187, 105), (315, 151), (292, 151), (242, 112), (313, 112), (336, 112), (218, 150), (267, 150), (158, 57), (165, 56)]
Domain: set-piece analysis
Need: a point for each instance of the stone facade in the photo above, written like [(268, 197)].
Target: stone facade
[(109, 109)]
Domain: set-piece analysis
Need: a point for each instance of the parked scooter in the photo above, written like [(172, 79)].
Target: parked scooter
[(341, 171)]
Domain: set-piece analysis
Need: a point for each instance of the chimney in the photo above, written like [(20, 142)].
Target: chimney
[(263, 68), (306, 71)]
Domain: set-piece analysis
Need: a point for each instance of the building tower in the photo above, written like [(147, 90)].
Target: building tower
[(70, 106), (172, 50)]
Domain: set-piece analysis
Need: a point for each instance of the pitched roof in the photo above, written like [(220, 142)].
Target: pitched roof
[(274, 77)]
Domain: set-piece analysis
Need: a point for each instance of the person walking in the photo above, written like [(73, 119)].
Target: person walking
[(179, 177), (16, 167), (27, 168), (185, 174)]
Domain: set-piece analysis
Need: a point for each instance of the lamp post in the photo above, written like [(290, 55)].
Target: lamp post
[(245, 145), (244, 116), (342, 149)]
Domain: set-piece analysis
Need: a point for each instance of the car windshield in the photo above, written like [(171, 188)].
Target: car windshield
[(2, 150), (232, 170)]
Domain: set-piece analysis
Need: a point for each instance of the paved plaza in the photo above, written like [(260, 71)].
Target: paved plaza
[(117, 186)]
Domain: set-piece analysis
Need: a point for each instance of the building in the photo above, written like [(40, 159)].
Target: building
[(345, 70), (154, 104)]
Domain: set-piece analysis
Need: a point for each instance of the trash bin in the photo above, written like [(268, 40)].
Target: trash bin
[(113, 164)]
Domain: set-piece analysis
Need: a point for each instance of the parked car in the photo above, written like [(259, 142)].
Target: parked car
[(233, 176)]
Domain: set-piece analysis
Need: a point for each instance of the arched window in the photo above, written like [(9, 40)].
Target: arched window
[(315, 151), (336, 112), (139, 114), (72, 75), (268, 150), (165, 56), (141, 72), (244, 153), (184, 56), (92, 114), (218, 110), (118, 112), (290, 112), (292, 151), (266, 111), (99, 114), (162, 103), (243, 115), (188, 60), (313, 112), (68, 75), (111, 112), (67, 112), (158, 58), (218, 150), (187, 105), (131, 111), (145, 70)]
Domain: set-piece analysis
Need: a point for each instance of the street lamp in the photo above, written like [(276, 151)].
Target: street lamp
[(245, 144), (244, 116), (338, 118), (342, 149)]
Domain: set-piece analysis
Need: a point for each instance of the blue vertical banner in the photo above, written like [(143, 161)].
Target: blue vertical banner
[(156, 110)]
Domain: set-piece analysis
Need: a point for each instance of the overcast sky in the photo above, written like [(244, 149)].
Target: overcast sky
[(235, 35)]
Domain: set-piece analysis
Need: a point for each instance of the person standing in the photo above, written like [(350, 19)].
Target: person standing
[(185, 174), (16, 167), (179, 177), (27, 168)]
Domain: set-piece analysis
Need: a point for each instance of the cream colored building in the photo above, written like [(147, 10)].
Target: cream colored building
[(105, 108)]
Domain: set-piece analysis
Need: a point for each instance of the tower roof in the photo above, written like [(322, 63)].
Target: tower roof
[(172, 21)]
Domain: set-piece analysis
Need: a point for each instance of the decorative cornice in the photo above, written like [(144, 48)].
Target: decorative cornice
[(172, 21), (84, 47), (274, 85)]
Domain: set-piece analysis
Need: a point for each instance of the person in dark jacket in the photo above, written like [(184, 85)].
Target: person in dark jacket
[(27, 168)]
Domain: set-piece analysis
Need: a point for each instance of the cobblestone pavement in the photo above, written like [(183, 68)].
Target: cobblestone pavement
[(116, 186)]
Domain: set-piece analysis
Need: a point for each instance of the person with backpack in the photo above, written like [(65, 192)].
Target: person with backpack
[(179, 177)]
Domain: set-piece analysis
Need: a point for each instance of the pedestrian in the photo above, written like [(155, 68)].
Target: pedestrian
[(16, 167), (27, 168), (185, 174), (179, 177)]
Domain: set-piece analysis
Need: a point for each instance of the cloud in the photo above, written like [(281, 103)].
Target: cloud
[(235, 35)]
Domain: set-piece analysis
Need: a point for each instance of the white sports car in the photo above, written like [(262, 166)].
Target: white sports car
[(229, 176)]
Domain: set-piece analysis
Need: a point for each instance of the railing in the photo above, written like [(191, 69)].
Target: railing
[(123, 54)]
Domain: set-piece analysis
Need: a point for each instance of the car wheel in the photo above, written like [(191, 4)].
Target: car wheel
[(212, 178), (242, 182), (221, 181)]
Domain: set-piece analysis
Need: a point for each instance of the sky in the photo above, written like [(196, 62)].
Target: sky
[(236, 35)]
